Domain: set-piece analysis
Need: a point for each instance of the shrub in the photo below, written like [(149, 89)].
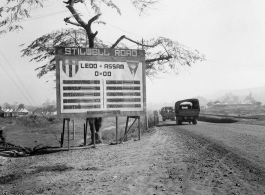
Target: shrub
[(33, 121), (53, 119), (212, 119), (111, 134), (108, 134)]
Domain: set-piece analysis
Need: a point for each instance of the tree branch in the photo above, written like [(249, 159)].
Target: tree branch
[(92, 20), (87, 27), (117, 42), (67, 20), (75, 14), (71, 2), (158, 59), (165, 49), (91, 36), (124, 37)]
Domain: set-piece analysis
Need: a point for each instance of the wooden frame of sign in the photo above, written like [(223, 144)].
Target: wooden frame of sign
[(100, 82)]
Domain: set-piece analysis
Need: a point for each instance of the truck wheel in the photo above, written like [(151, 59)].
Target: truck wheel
[(194, 122), (178, 121), (164, 119)]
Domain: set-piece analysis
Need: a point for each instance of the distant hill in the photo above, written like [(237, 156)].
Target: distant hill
[(228, 96), (158, 106), (203, 101), (258, 93)]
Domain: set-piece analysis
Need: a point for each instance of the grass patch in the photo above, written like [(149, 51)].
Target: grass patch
[(213, 119), (32, 131), (36, 121), (111, 134), (235, 109), (6, 121)]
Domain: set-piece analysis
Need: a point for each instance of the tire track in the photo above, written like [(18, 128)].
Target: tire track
[(222, 171)]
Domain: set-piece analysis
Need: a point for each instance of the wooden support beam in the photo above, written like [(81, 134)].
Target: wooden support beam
[(84, 134), (139, 128), (127, 131), (126, 126), (62, 134), (87, 121), (94, 132), (68, 128), (74, 128), (116, 130)]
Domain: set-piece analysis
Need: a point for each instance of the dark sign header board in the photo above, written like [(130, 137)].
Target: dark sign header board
[(73, 51), (99, 82)]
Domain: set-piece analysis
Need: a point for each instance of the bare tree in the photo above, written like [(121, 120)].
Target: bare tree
[(163, 55)]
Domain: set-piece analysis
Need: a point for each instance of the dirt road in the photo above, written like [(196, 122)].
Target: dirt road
[(248, 141), (167, 160)]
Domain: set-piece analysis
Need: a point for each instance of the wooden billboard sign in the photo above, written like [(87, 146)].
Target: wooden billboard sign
[(99, 82)]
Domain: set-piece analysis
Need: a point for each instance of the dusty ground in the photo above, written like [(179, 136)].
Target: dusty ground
[(167, 160)]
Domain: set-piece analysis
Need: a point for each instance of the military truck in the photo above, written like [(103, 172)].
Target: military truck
[(167, 113), (187, 111)]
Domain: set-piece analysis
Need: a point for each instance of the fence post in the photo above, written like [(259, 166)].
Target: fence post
[(84, 134), (74, 128), (116, 130), (139, 128), (68, 128), (146, 121)]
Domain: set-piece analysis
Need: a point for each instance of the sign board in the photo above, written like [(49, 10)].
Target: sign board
[(98, 82)]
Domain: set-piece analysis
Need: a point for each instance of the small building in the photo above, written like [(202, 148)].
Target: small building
[(9, 113), (25, 111), (2, 113), (15, 113), (5, 113)]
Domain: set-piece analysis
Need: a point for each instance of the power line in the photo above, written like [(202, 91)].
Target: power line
[(86, 7), (49, 128), (18, 77), (44, 16), (15, 83), (123, 30), (112, 25)]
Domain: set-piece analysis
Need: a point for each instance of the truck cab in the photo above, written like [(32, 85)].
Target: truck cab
[(187, 111), (167, 113)]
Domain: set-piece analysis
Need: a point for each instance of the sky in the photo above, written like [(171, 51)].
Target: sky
[(230, 33)]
